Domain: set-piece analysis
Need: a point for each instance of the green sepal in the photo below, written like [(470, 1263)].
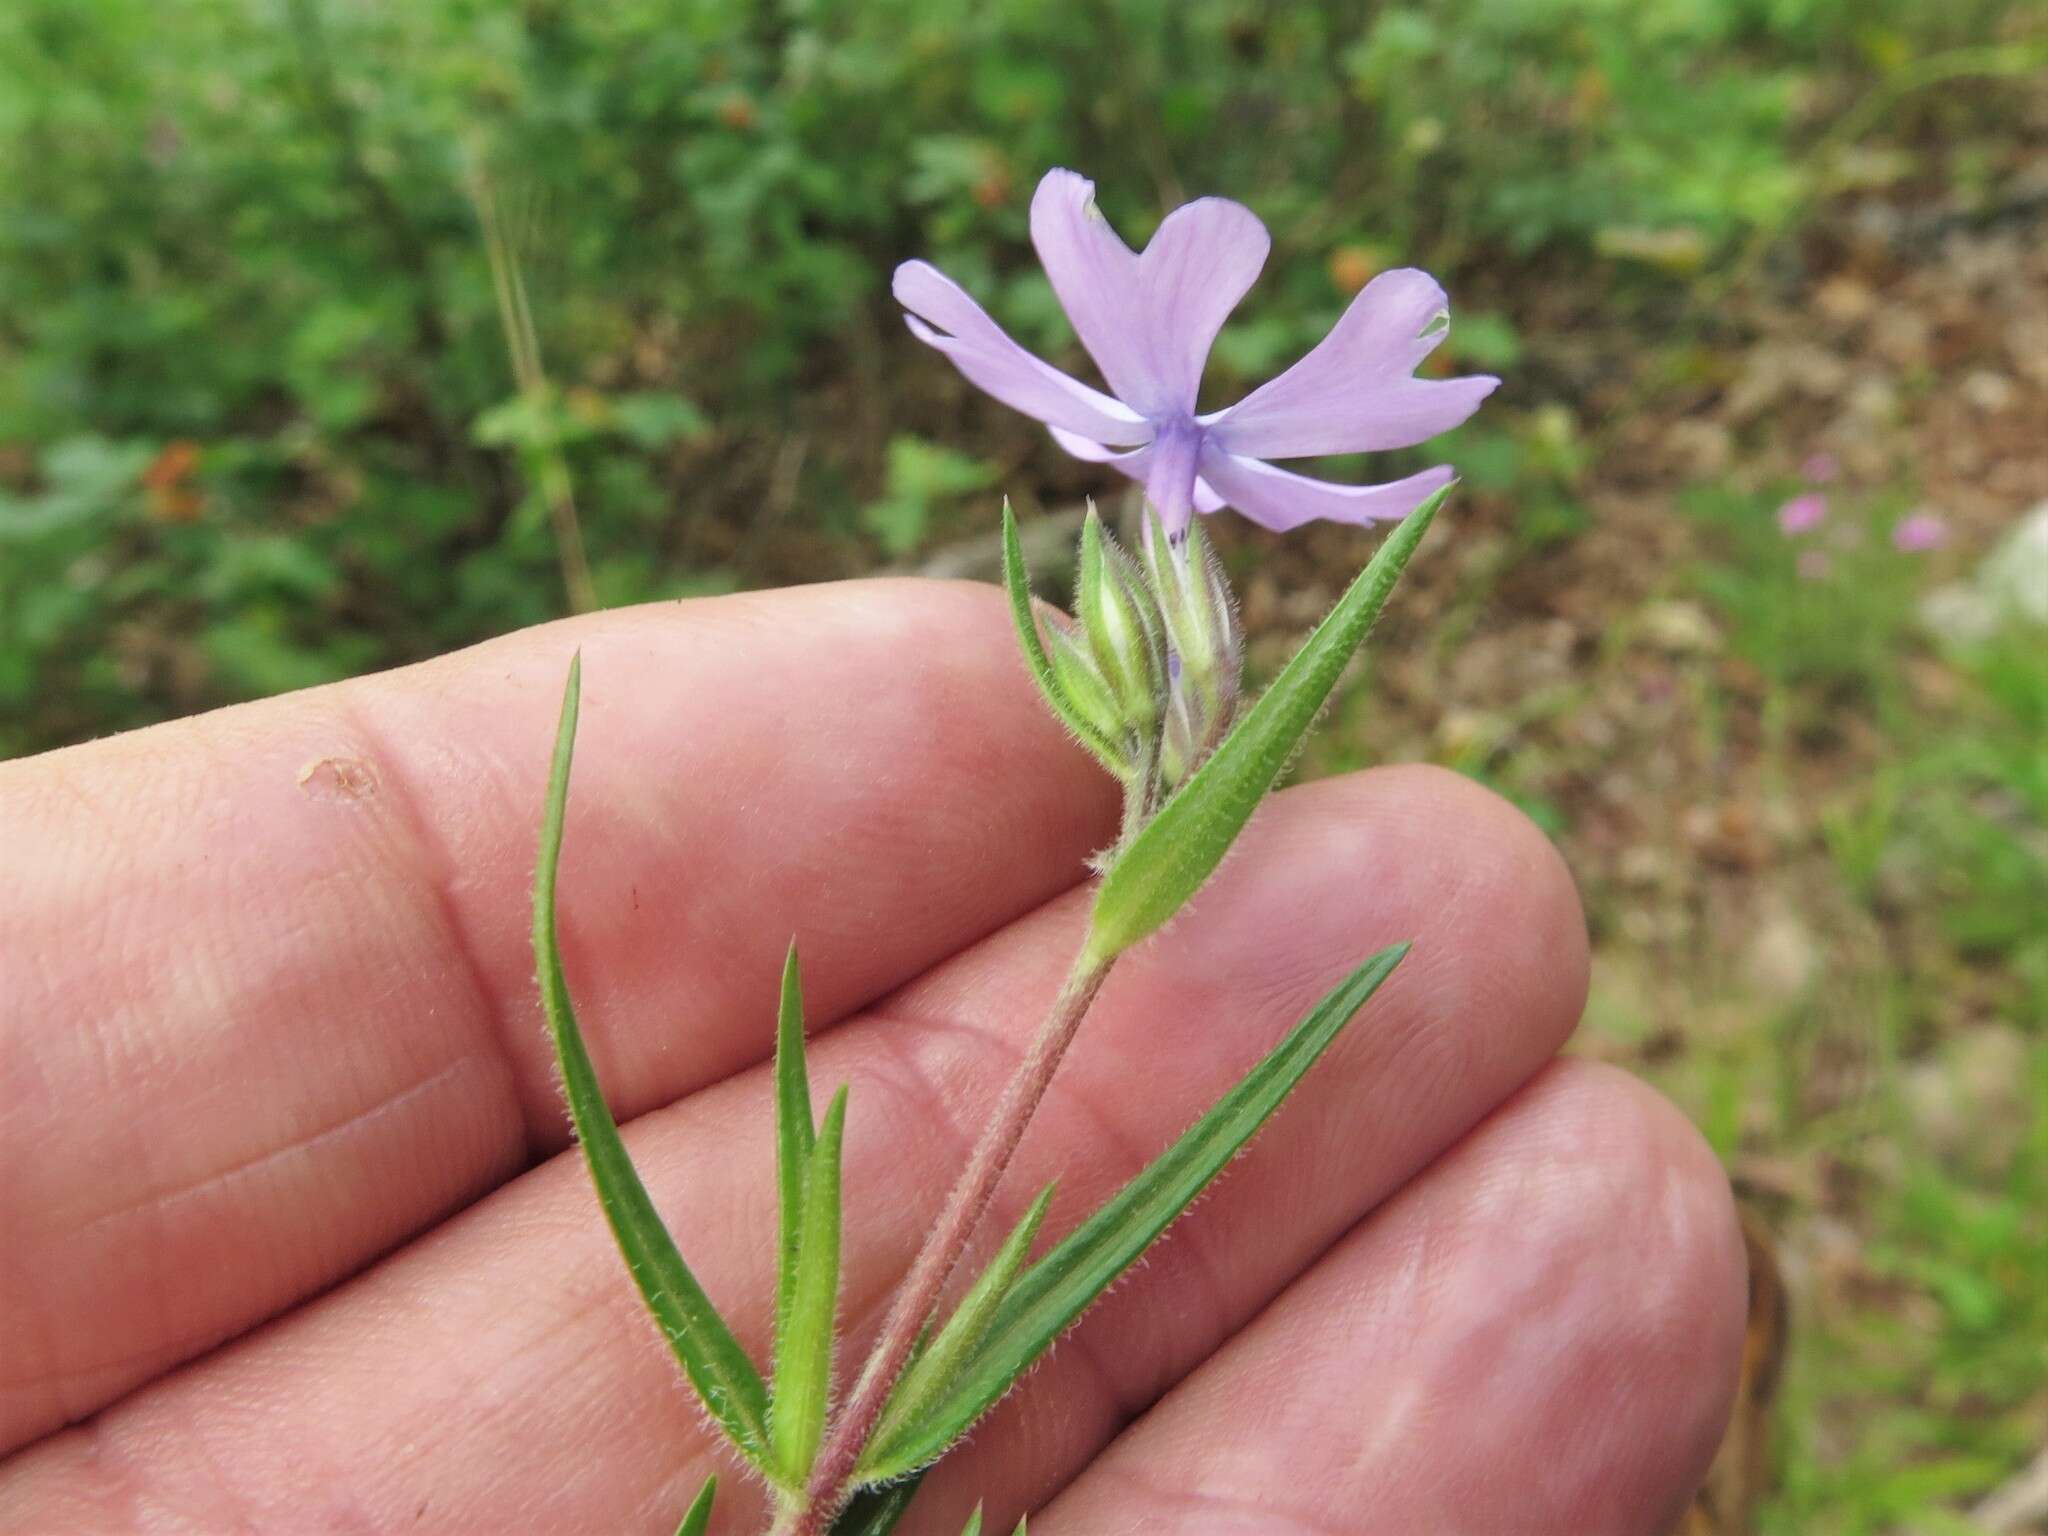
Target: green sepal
[(1087, 690), (1017, 582), (794, 1135), (1120, 617), (937, 1365), (1049, 1296), (711, 1357), (698, 1520), (973, 1525), (803, 1357), (1167, 861), (875, 1511)]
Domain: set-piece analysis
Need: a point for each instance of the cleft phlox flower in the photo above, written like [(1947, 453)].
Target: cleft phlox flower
[(1149, 318)]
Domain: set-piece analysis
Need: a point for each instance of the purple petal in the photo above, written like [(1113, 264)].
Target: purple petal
[(1353, 393), (1134, 462), (1280, 500), (1148, 320), (992, 362)]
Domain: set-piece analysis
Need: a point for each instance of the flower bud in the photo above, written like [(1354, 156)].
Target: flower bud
[(1204, 651), (1126, 635), (1073, 667)]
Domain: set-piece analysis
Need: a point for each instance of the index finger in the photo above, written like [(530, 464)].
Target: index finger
[(271, 1006)]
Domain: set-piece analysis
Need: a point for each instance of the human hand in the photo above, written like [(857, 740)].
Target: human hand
[(292, 1240)]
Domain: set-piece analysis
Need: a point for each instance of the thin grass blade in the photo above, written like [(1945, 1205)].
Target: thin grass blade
[(711, 1357), (1049, 1296), (1180, 848), (803, 1367), (794, 1136)]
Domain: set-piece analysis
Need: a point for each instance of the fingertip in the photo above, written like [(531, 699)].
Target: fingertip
[(1637, 1220), (1483, 894)]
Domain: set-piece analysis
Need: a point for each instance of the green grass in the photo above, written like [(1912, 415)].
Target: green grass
[(1917, 1235)]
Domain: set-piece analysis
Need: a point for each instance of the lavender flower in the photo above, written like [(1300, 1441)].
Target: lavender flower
[(1149, 318)]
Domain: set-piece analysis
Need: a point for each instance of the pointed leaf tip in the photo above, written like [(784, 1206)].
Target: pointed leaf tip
[(698, 1520), (1179, 849), (719, 1370)]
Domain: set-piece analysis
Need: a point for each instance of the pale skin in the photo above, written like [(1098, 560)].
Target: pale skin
[(294, 1239)]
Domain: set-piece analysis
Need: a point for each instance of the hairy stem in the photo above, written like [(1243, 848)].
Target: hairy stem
[(918, 1296)]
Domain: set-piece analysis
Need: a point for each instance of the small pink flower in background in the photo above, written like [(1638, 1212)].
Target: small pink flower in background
[(1814, 565), (1802, 514), (1919, 533), (1820, 469)]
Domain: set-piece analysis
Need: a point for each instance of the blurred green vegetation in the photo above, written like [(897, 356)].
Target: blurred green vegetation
[(253, 376), (334, 336)]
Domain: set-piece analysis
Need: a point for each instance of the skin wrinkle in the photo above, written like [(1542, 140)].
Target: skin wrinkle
[(178, 1345), (429, 864), (433, 869), (156, 1199), (1200, 1500)]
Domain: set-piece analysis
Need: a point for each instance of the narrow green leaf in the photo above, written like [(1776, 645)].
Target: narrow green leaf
[(698, 1520), (1017, 582), (973, 1525), (936, 1367), (1181, 847), (875, 1511), (711, 1357), (803, 1361), (794, 1135), (1049, 1296)]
